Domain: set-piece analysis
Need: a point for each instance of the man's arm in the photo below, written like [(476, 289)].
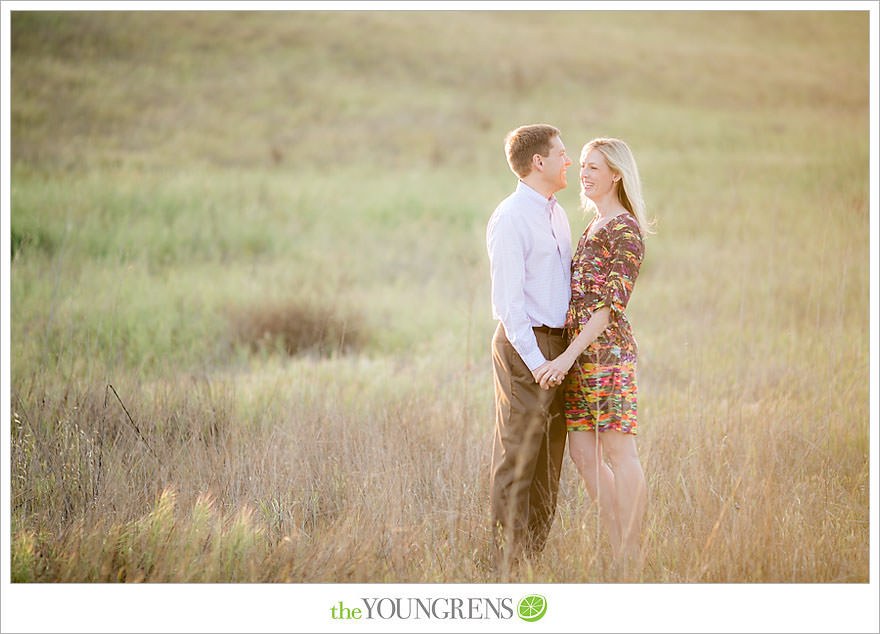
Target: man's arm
[(508, 271)]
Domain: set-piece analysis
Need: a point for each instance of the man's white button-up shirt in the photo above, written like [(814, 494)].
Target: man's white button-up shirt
[(529, 243)]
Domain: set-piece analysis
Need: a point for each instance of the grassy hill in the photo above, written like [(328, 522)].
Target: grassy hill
[(266, 231)]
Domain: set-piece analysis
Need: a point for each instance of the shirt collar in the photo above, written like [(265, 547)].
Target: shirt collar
[(533, 195)]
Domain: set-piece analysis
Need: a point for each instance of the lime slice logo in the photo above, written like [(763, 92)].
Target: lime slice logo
[(532, 607)]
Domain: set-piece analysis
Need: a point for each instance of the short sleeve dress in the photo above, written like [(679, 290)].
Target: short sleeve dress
[(601, 386)]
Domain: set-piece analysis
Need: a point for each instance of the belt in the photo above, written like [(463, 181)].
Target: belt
[(557, 332)]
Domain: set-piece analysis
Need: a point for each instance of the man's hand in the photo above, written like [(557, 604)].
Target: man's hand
[(539, 372), (552, 373)]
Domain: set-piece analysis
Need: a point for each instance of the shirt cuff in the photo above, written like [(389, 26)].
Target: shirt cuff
[(534, 360)]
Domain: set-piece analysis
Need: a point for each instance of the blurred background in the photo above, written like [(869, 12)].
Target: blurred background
[(267, 231)]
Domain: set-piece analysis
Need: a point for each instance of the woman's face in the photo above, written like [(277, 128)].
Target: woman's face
[(597, 178)]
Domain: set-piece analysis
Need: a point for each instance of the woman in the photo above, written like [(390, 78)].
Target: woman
[(600, 394)]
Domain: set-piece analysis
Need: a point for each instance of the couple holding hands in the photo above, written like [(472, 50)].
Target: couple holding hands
[(564, 354)]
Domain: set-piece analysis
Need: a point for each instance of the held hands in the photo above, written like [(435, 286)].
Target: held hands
[(551, 373)]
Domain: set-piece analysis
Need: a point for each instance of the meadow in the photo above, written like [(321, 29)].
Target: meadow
[(250, 315)]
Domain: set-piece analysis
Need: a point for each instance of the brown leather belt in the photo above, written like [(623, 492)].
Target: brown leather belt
[(556, 332)]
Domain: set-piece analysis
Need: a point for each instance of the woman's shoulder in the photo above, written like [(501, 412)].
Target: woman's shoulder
[(625, 235), (625, 224)]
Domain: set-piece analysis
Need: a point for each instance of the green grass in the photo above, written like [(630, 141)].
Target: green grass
[(177, 175)]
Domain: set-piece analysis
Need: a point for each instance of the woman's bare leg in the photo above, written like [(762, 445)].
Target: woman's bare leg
[(631, 490), (599, 480)]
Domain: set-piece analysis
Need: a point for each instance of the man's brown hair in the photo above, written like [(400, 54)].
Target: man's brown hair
[(526, 141)]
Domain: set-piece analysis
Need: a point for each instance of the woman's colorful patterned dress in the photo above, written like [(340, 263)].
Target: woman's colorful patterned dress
[(602, 383)]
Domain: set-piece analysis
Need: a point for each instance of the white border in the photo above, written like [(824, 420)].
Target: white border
[(435, 5), (5, 312), (572, 608), (874, 277)]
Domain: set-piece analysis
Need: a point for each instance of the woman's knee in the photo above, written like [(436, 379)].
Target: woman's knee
[(620, 448), (582, 450)]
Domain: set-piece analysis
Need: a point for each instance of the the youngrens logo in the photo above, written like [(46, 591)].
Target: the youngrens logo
[(532, 607), (529, 608)]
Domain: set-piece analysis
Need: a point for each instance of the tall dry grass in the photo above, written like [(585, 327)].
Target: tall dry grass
[(341, 470)]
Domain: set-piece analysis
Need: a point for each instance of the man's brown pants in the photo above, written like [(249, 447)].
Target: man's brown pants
[(528, 452)]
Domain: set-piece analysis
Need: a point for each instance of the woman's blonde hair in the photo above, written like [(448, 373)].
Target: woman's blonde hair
[(629, 190)]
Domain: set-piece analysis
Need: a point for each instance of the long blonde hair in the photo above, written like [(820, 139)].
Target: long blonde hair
[(629, 190)]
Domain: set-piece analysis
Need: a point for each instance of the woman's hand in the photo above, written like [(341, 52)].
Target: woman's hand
[(552, 373)]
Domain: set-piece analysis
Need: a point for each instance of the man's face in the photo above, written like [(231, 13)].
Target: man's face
[(555, 164)]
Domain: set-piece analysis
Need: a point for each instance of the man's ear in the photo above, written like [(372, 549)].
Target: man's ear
[(537, 162)]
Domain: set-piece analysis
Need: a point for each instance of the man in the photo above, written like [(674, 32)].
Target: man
[(529, 243)]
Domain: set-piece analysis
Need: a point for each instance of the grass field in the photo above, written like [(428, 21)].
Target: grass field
[(266, 233)]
